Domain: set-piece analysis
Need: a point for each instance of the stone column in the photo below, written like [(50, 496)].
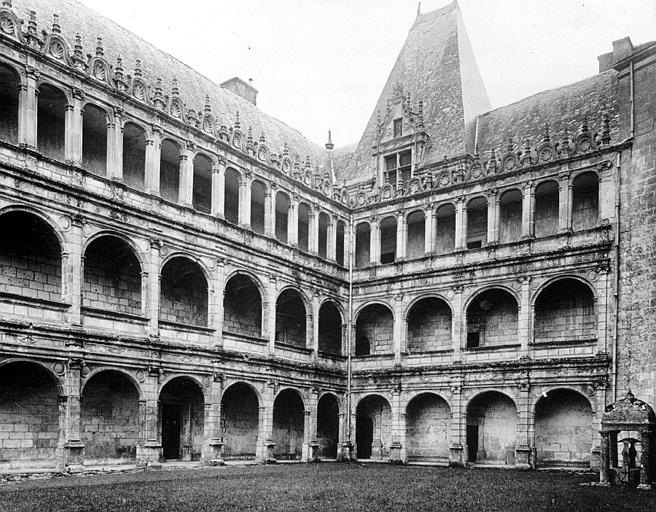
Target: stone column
[(213, 449), (268, 214), (215, 301), (564, 211), (292, 221), (272, 212), (310, 445), (272, 299), (601, 301), (186, 194), (115, 145), (522, 448), (457, 327), (73, 116), (28, 109), (72, 271), (461, 225), (606, 195), (524, 316), (493, 213), (430, 222), (528, 206), (265, 444), (374, 242), (645, 459), (313, 230), (153, 289), (399, 329), (314, 341), (331, 245), (458, 435), (401, 230), (218, 187), (397, 447), (245, 199), (604, 469), (150, 453), (153, 158), (73, 447)]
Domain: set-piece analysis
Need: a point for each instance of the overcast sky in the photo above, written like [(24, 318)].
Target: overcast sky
[(321, 64)]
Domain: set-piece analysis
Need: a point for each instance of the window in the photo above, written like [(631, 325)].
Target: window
[(398, 167), (398, 128)]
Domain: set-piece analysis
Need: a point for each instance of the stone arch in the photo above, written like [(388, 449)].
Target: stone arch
[(362, 244), (510, 215), (428, 425), (491, 417), (30, 255), (241, 296), (110, 417), (94, 138), (29, 397), (416, 234), (169, 169), (565, 310), (492, 317), (303, 225), (330, 320), (323, 222), (52, 102), (231, 193), (327, 435), (282, 206), (373, 427), (585, 200), (112, 278), (129, 376), (240, 410), (547, 208), (340, 230), (182, 399), (445, 233), (288, 423), (477, 222), (291, 317), (259, 191), (202, 182), (184, 286), (134, 154), (374, 329), (428, 322), (563, 428), (10, 82), (388, 239)]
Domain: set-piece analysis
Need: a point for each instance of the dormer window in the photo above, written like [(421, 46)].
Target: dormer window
[(398, 167), (398, 128)]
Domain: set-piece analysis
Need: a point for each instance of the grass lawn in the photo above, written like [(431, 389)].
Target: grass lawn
[(323, 487)]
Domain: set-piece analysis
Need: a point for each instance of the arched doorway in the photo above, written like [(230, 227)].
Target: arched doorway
[(239, 421), (491, 429), (328, 426), (428, 420), (288, 425), (182, 418), (373, 428)]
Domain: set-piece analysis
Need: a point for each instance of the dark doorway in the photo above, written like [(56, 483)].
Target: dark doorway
[(472, 442), (171, 416), (364, 436)]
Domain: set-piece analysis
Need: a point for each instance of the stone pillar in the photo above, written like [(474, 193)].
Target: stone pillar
[(268, 214), (606, 195), (522, 448), (430, 223), (115, 145), (292, 221), (72, 271), (528, 210), (265, 443), (524, 316), (374, 242), (27, 109), (73, 129), (461, 225), (153, 288), (218, 187), (215, 301), (493, 212), (310, 445), (186, 194), (331, 245), (457, 325), (150, 453), (564, 210), (645, 459), (314, 341), (272, 300), (245, 181), (401, 231), (458, 438), (399, 329), (313, 230), (604, 469), (153, 158), (213, 449), (398, 446), (272, 211), (73, 447)]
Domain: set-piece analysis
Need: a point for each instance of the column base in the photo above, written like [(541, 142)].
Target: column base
[(395, 454), (313, 452), (346, 453), (74, 456), (214, 455), (523, 457), (149, 455), (645, 487), (269, 457), (457, 456)]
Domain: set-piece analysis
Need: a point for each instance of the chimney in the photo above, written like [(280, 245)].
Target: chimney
[(242, 88)]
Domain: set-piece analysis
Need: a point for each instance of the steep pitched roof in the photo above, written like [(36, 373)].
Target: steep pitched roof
[(117, 41), (437, 66)]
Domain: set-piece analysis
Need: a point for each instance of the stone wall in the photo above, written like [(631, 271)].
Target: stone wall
[(565, 311), (445, 235), (183, 293), (429, 326), (546, 209), (327, 426), (494, 316), (239, 413), (376, 410), (376, 325), (242, 307), (288, 424), (428, 423), (495, 415)]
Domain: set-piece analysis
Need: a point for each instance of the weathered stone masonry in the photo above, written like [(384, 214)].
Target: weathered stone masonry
[(174, 277)]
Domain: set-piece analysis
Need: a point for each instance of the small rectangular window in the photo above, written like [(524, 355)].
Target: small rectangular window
[(473, 339), (398, 128)]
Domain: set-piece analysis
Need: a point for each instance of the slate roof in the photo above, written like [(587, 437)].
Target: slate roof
[(117, 41)]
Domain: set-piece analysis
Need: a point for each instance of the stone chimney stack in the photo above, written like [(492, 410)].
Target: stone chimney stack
[(242, 88)]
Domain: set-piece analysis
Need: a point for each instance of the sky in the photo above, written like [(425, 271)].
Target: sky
[(321, 64)]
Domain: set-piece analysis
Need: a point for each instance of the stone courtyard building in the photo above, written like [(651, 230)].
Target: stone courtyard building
[(185, 277)]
